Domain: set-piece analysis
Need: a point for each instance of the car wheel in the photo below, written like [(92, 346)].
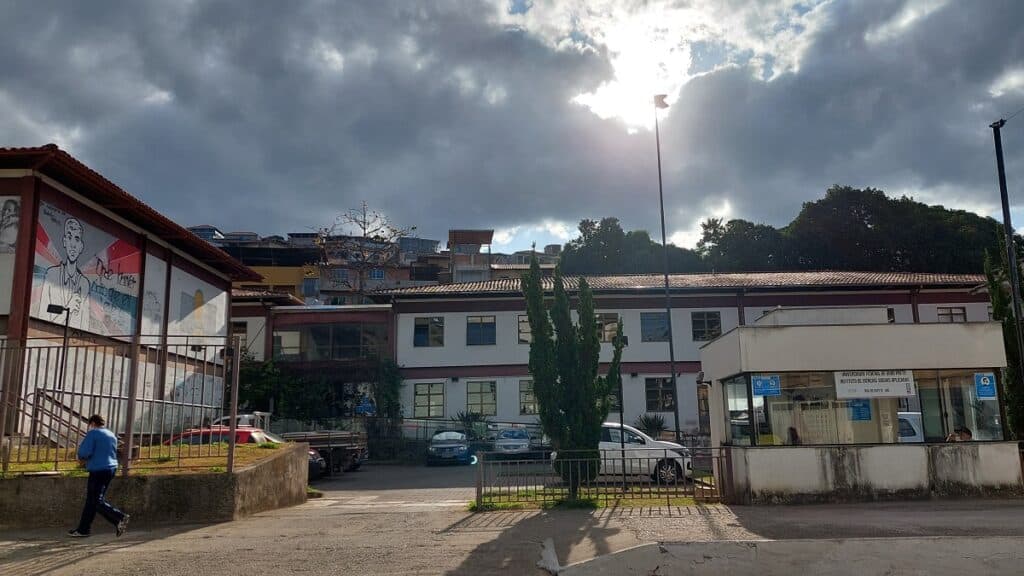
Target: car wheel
[(668, 472)]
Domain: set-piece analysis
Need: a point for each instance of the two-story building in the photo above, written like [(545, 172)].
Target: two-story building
[(465, 347)]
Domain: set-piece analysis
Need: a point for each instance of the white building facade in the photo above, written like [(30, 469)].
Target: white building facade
[(465, 347)]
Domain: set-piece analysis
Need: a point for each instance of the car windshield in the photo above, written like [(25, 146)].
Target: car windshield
[(449, 437), (513, 434)]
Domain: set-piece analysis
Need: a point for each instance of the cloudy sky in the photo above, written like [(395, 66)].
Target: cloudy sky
[(524, 115)]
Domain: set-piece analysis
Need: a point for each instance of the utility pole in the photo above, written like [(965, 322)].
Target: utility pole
[(1011, 248), (659, 102)]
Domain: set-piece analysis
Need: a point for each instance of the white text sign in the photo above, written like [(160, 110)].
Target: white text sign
[(875, 384)]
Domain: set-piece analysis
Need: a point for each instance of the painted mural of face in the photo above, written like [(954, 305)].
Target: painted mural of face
[(9, 214), (73, 243)]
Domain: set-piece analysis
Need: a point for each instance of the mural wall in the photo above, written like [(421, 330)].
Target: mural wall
[(95, 275), (154, 295), (197, 308), (10, 216)]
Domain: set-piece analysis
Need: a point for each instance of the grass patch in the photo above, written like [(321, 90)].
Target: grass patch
[(587, 499), (180, 459), (269, 445), (313, 492)]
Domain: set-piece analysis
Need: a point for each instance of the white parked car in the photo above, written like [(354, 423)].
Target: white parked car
[(665, 462), (512, 441), (911, 428)]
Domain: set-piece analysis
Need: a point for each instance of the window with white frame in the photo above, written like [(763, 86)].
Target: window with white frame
[(428, 401), (607, 326), (525, 335), (653, 327), (482, 398), (660, 396), (527, 400), (706, 325), (481, 331), (428, 332), (377, 274), (952, 314)]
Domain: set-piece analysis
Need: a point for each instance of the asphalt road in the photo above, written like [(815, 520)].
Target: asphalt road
[(413, 520)]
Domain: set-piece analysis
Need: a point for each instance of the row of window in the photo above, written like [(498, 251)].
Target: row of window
[(483, 331), (482, 398)]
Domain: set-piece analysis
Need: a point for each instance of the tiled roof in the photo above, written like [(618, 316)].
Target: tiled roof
[(239, 295), (520, 266), (66, 169), (709, 282)]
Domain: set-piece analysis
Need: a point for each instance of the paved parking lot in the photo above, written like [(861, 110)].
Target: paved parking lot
[(401, 487)]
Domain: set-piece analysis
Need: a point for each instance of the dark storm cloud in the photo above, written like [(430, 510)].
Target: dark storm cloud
[(256, 116)]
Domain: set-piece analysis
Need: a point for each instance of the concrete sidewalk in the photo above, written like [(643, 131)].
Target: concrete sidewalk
[(369, 527), (936, 556)]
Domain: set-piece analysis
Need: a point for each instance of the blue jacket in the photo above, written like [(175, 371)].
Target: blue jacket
[(99, 450)]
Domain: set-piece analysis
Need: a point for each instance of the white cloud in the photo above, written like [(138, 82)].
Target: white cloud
[(157, 97), (522, 236), (505, 236), (328, 56), (913, 12), (688, 238), (1009, 82), (650, 44)]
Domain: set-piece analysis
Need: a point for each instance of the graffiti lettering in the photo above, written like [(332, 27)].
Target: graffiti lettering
[(117, 277)]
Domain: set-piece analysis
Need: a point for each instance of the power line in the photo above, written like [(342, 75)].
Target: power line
[(1010, 117)]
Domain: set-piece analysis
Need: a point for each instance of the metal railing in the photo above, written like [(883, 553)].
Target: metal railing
[(159, 395), (634, 476)]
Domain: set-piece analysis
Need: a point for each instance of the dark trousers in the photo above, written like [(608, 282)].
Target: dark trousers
[(95, 501)]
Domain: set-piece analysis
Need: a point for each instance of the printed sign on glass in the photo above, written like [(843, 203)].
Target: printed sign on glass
[(860, 409), (985, 384), (766, 385), (855, 384)]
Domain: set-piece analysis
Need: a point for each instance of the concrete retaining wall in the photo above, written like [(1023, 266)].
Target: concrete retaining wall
[(857, 473), (44, 501)]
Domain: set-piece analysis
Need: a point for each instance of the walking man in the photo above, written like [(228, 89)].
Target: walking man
[(99, 453)]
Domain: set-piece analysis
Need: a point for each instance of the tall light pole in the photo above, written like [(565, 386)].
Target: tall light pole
[(1011, 248), (659, 102), (58, 309)]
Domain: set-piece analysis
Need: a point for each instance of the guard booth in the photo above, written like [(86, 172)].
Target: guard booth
[(839, 404)]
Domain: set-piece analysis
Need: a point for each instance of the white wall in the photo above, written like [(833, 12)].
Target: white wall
[(815, 473), (154, 295), (255, 335), (634, 391), (197, 308), (976, 311), (870, 347), (507, 350), (823, 316)]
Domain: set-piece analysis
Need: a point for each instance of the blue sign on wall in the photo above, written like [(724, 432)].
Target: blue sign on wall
[(985, 384), (366, 407), (766, 385), (860, 410)]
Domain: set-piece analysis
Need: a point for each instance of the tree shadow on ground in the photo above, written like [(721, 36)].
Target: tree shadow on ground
[(516, 548)]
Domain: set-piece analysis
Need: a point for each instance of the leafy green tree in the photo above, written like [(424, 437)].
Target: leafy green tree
[(998, 284), (604, 248), (572, 400)]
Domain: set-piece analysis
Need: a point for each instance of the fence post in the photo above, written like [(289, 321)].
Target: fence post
[(235, 357), (6, 384), (133, 389), (479, 480)]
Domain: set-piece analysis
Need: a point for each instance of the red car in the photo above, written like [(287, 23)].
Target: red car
[(215, 434)]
